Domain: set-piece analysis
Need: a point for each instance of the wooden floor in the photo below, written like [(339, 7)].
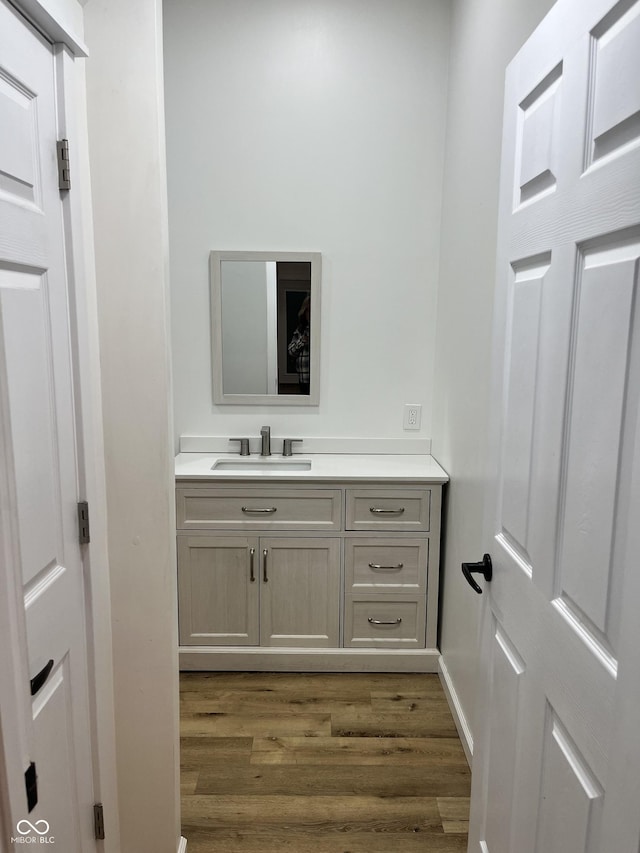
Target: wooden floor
[(320, 763)]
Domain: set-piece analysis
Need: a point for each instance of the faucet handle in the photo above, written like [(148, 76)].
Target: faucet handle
[(265, 436), (244, 445), (287, 449)]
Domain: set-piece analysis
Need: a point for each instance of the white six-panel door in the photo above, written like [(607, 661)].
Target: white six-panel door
[(557, 761), (38, 442)]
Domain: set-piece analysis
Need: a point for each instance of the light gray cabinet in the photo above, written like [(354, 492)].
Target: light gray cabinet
[(386, 580), (275, 576), (385, 592), (249, 591)]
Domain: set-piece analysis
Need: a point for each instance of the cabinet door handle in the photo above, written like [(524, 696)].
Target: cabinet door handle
[(252, 554), (267, 509), (385, 622), (381, 511), (378, 568), (264, 566), (37, 682)]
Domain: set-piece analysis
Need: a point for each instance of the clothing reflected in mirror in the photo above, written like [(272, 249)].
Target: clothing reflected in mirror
[(298, 347)]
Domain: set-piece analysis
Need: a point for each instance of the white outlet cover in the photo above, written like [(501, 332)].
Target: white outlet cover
[(412, 416)]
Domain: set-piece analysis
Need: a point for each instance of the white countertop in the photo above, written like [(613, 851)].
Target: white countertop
[(334, 467)]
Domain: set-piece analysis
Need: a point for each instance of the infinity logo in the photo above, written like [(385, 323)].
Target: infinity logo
[(30, 827)]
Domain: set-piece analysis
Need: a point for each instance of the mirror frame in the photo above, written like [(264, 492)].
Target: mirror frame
[(216, 258)]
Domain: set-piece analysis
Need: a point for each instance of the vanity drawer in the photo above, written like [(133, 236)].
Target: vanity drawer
[(258, 509), (379, 621), (387, 565), (388, 509)]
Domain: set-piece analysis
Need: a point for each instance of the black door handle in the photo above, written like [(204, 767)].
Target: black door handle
[(38, 680), (484, 568)]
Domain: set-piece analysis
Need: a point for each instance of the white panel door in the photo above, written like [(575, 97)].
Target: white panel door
[(39, 523), (556, 764)]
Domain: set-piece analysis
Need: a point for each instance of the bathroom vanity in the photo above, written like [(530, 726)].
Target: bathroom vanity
[(317, 562)]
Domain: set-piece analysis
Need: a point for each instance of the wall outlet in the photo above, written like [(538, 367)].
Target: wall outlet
[(412, 415)]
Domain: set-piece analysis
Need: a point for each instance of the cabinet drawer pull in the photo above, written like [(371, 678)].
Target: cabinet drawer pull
[(264, 566), (267, 509), (380, 511), (384, 622), (252, 554), (378, 568)]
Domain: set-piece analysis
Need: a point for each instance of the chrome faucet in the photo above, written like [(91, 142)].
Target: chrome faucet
[(265, 435)]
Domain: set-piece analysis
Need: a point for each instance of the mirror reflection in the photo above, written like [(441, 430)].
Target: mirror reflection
[(265, 330)]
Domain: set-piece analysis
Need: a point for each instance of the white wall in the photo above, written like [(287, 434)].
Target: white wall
[(126, 138), (486, 34), (318, 126)]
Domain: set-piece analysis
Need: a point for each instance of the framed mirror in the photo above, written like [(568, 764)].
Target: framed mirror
[(265, 327)]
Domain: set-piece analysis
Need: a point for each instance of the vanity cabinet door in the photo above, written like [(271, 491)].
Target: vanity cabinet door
[(299, 592), (218, 590)]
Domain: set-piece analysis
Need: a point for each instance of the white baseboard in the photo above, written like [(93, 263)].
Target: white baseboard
[(182, 845), (237, 659), (462, 724)]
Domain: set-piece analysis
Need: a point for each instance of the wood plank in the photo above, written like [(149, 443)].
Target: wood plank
[(316, 695), (454, 813), (331, 780), (253, 725), (455, 827), (443, 752), (366, 722), (433, 701), (289, 840), (453, 808), (318, 813), (267, 702), (188, 781), (198, 752)]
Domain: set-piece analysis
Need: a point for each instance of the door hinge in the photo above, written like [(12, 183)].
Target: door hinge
[(64, 175), (83, 523), (98, 821), (31, 786)]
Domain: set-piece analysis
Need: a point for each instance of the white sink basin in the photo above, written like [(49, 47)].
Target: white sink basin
[(259, 465)]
